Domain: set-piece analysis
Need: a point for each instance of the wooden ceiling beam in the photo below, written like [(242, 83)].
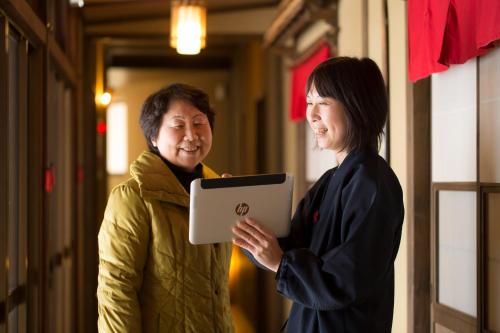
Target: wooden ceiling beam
[(244, 22), (112, 52), (126, 11), (138, 28), (149, 42), (137, 10)]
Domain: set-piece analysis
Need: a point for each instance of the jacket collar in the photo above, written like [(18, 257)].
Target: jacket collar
[(350, 162), (157, 181)]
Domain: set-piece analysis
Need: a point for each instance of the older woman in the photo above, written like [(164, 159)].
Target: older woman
[(151, 278), (337, 265)]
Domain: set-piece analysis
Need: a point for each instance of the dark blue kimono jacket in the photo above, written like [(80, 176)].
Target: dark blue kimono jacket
[(338, 262)]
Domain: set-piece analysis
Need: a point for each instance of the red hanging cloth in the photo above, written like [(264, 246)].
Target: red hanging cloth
[(300, 73), (446, 32)]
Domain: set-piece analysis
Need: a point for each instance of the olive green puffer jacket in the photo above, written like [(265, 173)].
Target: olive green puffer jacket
[(151, 279)]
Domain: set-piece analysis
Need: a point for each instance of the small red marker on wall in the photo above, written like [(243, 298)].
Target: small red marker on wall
[(49, 179), (80, 174), (101, 128)]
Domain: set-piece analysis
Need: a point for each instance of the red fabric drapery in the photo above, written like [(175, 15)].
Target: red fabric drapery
[(300, 73), (445, 32)]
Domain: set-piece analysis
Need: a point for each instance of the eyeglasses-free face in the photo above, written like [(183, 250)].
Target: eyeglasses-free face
[(327, 118), (185, 136)]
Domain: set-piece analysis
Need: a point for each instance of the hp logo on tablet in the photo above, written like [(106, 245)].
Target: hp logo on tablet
[(242, 209)]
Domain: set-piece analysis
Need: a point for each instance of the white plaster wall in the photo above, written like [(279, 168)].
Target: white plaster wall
[(399, 86), (454, 124), (376, 35), (350, 28)]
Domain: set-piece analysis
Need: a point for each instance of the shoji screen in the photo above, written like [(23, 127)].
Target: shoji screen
[(454, 177), (454, 124), (466, 195), (60, 204)]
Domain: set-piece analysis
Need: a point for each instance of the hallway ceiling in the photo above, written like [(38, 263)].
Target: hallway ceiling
[(210, 3), (135, 33), (112, 10)]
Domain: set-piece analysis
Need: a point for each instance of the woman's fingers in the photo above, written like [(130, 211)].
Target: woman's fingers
[(252, 231), (243, 244), (258, 240), (245, 235), (259, 227)]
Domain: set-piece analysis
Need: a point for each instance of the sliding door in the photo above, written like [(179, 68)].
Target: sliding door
[(465, 197)]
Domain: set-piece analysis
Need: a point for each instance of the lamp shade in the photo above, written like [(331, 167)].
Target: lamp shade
[(188, 26)]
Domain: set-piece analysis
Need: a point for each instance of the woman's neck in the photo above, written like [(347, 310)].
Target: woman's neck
[(341, 155)]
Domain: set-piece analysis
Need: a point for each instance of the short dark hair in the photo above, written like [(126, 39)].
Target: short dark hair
[(358, 84), (157, 104)]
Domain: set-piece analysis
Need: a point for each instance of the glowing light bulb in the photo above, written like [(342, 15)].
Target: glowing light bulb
[(188, 27), (105, 99)]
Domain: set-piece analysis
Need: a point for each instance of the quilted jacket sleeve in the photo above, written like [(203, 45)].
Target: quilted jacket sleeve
[(123, 242)]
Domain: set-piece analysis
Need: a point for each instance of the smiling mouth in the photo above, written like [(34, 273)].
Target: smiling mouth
[(190, 149)]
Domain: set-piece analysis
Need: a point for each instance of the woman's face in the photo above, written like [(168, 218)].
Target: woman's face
[(185, 136), (327, 118)]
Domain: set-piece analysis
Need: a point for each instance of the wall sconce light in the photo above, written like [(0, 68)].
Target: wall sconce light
[(103, 99), (76, 3), (188, 26)]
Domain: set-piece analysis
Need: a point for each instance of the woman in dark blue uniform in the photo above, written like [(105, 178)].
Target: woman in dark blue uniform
[(337, 264)]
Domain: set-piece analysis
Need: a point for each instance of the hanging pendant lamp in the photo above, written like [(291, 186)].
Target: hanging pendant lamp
[(188, 26)]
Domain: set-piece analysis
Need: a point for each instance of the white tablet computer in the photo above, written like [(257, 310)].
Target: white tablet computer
[(217, 204)]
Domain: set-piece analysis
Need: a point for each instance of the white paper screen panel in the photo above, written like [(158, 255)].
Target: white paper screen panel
[(457, 251), (489, 117), (454, 124), (117, 138)]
